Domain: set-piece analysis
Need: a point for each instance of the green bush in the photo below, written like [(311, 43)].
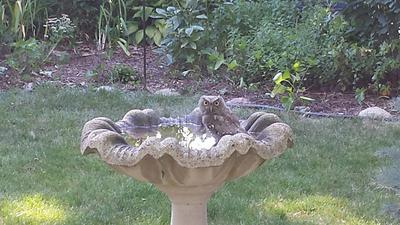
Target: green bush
[(374, 32), (254, 40), (26, 56), (376, 20), (124, 74)]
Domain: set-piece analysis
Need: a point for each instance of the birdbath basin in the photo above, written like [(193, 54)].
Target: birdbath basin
[(180, 159)]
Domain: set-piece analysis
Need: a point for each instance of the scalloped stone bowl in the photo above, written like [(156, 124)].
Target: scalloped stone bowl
[(187, 176)]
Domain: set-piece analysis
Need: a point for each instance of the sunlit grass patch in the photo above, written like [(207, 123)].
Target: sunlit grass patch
[(31, 209), (315, 209)]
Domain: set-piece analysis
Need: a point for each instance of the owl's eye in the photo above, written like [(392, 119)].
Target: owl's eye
[(216, 103), (205, 102)]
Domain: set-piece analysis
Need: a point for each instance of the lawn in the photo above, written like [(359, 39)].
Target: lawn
[(327, 178)]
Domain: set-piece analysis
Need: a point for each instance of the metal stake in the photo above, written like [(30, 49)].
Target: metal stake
[(144, 46)]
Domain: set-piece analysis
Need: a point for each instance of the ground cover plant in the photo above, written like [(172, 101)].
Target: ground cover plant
[(327, 178)]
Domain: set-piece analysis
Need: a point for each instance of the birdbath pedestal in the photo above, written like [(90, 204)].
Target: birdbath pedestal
[(189, 205)]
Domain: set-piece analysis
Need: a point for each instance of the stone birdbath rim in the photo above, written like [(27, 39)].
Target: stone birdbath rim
[(187, 177)]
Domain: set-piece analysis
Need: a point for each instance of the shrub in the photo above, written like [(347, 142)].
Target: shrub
[(26, 56), (124, 74), (375, 27)]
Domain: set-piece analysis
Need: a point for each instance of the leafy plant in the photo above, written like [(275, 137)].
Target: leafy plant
[(122, 22), (289, 85), (124, 74), (26, 56), (60, 29), (374, 19), (360, 95), (185, 28)]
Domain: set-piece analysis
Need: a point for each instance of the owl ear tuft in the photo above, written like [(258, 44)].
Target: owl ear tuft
[(221, 99)]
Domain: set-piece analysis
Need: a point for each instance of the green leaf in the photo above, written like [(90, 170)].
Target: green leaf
[(189, 31), (139, 36), (242, 84), (360, 95), (175, 22), (193, 45), (161, 12), (296, 67), (279, 89), (171, 9), (307, 98), (150, 31), (186, 72), (219, 63), (202, 17), (195, 37), (278, 78), (258, 55), (132, 27), (232, 65), (157, 38), (197, 28), (139, 14), (185, 42), (124, 45), (287, 102), (286, 75)]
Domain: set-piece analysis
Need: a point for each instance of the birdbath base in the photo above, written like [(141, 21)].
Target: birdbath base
[(189, 204)]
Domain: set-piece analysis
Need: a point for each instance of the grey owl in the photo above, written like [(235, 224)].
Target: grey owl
[(217, 117)]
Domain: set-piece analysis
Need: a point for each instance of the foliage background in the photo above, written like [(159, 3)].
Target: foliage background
[(339, 45)]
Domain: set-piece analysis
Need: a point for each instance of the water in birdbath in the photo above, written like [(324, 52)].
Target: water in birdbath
[(189, 135)]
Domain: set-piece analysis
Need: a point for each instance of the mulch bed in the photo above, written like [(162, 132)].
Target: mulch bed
[(86, 59)]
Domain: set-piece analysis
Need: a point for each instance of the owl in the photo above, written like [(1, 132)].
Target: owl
[(217, 117)]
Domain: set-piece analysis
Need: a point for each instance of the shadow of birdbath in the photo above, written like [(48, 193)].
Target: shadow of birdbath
[(180, 158)]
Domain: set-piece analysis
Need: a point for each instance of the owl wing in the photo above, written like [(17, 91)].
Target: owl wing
[(228, 124), (232, 118)]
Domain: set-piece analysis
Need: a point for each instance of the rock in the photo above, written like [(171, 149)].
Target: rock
[(3, 70), (47, 73), (302, 109), (105, 88), (238, 101), (374, 113), (167, 92), (28, 87), (83, 84)]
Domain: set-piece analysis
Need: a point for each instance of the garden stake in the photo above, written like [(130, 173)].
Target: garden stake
[(144, 46)]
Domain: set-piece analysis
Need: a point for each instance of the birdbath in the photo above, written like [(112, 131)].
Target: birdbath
[(178, 158)]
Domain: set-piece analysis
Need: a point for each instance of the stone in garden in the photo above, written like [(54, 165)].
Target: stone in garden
[(302, 109), (238, 101), (47, 73), (104, 88), (3, 70), (167, 92), (374, 113), (28, 87)]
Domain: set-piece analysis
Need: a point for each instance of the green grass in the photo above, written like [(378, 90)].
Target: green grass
[(327, 178)]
